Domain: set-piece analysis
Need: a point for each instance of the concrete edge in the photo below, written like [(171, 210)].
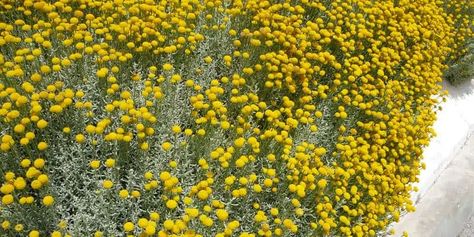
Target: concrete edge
[(417, 197), (448, 203), (456, 129)]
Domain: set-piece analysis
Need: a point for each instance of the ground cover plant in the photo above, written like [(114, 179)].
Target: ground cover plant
[(218, 117), (461, 69)]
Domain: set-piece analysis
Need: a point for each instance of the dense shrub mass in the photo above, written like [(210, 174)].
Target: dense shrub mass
[(217, 117), (462, 68), (461, 60), (461, 13)]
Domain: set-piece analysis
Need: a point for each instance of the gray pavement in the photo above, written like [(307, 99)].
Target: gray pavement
[(468, 230), (447, 208)]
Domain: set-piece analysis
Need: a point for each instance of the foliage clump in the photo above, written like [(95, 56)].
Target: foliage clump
[(461, 69), (461, 59)]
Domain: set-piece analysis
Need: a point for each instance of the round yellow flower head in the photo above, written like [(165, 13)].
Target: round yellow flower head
[(95, 164), (166, 146), (48, 200), (42, 146), (107, 184), (167, 67), (171, 204), (34, 233), (128, 226)]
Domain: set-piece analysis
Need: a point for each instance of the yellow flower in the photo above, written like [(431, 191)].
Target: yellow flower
[(109, 163), (107, 184), (56, 109), (167, 67), (80, 138), (94, 164), (144, 146), (168, 224), (34, 233), (43, 178), (45, 69), (101, 73), (48, 200), (171, 204), (7, 199), (56, 234), (239, 142), (19, 227), (206, 221), (201, 132), (176, 129), (36, 77), (5, 225), (165, 175), (42, 123), (222, 214), (136, 194), (154, 216), (66, 130), (166, 146), (128, 226), (322, 183), (42, 146), (173, 164), (36, 184), (208, 59), (148, 175), (25, 163), (142, 222), (150, 230), (19, 183), (123, 194), (203, 195), (39, 163), (176, 78)]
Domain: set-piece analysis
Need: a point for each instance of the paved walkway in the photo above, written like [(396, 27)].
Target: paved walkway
[(447, 207), (468, 230)]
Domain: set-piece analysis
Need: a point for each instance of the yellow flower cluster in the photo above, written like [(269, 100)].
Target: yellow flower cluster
[(460, 15), (217, 117)]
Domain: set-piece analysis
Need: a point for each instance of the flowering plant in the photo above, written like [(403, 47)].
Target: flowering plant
[(216, 117)]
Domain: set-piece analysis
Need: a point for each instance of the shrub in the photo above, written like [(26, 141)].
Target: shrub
[(215, 118), (461, 59), (462, 69)]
